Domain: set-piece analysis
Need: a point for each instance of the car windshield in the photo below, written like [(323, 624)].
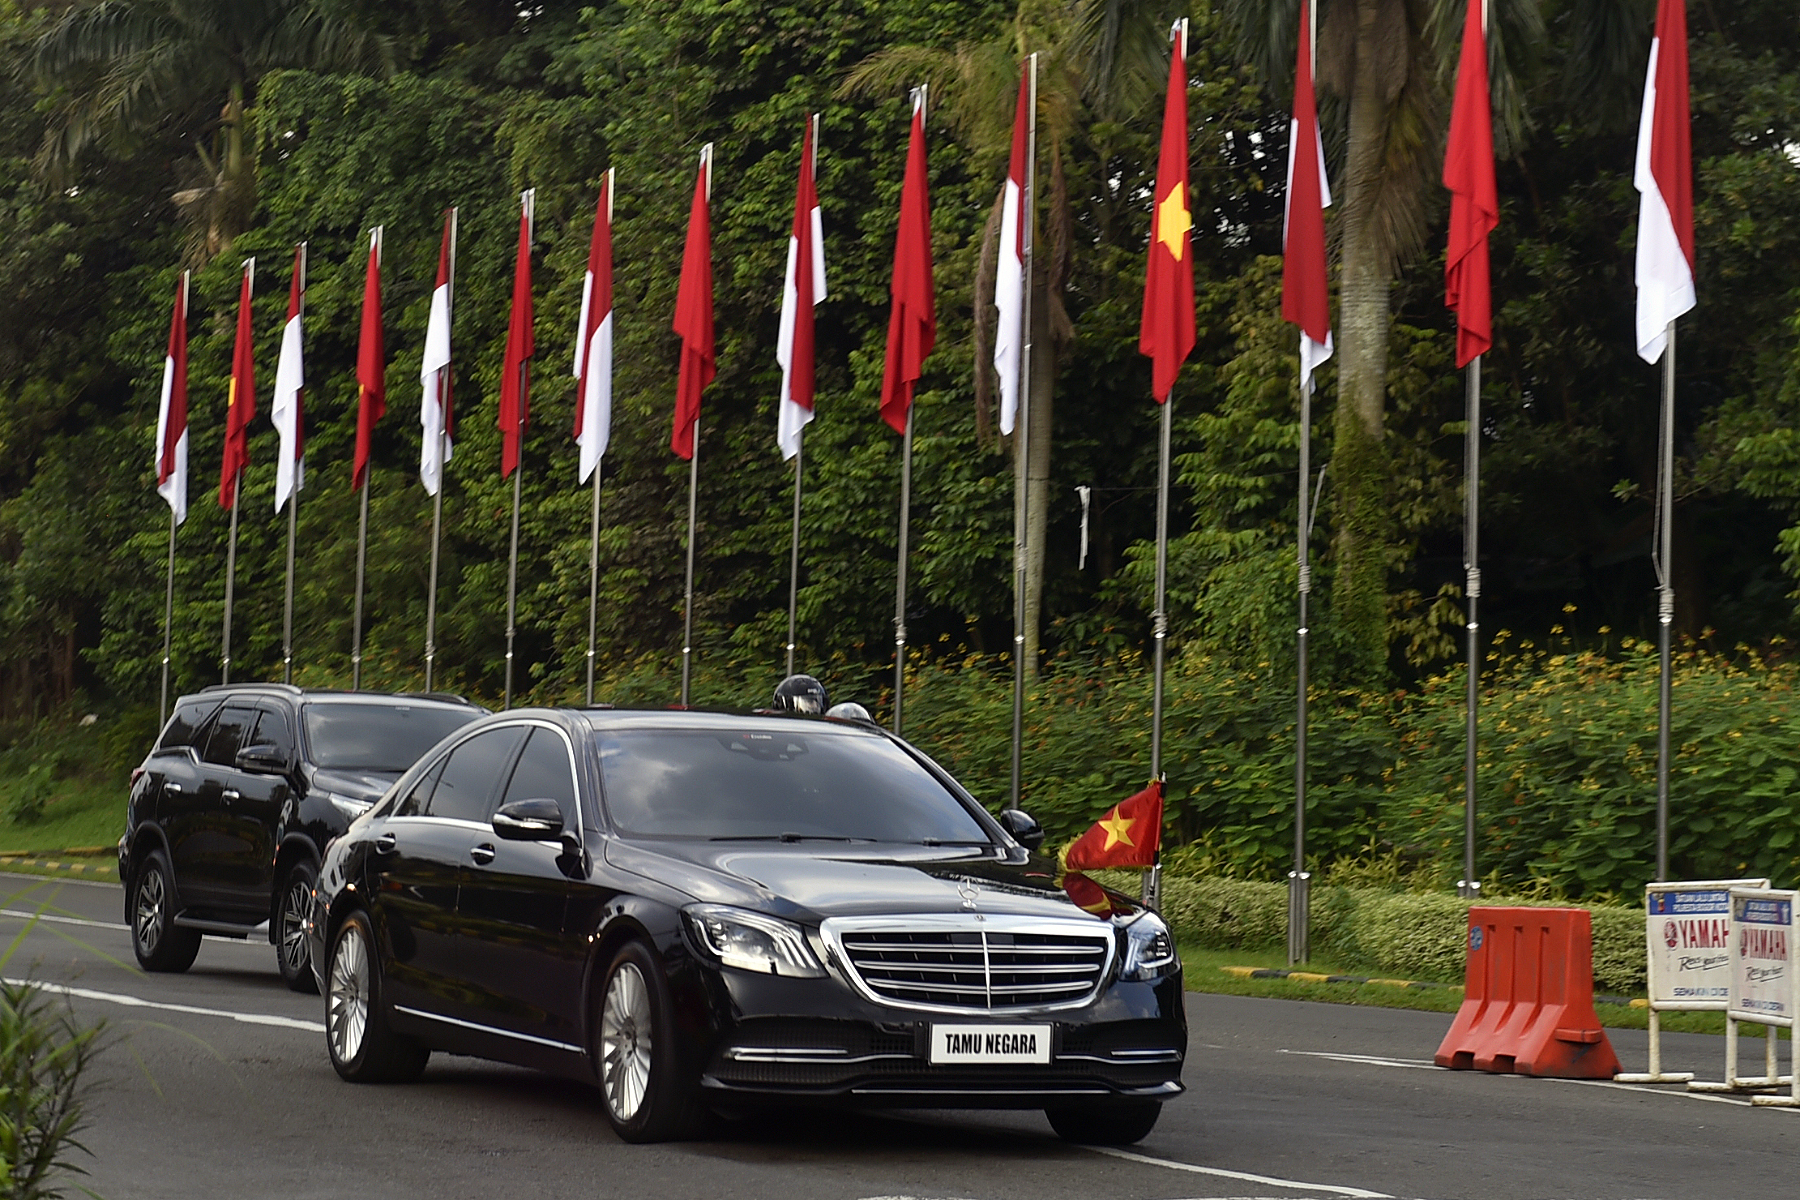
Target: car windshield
[(377, 737), (774, 784)]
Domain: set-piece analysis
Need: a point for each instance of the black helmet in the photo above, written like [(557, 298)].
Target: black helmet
[(800, 694)]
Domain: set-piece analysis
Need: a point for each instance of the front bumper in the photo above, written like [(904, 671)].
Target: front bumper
[(812, 1040)]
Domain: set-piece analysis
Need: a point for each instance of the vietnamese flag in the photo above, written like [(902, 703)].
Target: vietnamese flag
[(912, 322), (1128, 836), (1166, 336), (371, 365), (1305, 291), (1664, 177), (1474, 204), (1009, 267), (172, 414), (694, 313), (594, 342), (515, 383), (801, 290), (240, 401)]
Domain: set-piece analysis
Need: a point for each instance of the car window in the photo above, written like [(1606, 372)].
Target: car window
[(364, 736), (543, 773), (418, 799), (804, 780), (272, 730), (185, 725), (230, 733), (471, 774)]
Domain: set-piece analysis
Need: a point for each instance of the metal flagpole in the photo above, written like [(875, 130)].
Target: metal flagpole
[(1469, 887), (1299, 879), (594, 528), (1665, 605), (900, 580), (1022, 455), (162, 711), (687, 606), (362, 541), (287, 604), (237, 489), (794, 554), (437, 505), (529, 198)]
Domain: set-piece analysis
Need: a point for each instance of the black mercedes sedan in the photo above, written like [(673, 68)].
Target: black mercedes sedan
[(707, 913)]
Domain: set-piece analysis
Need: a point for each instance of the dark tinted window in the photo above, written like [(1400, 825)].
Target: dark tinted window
[(471, 777), (377, 737), (543, 773), (272, 730), (419, 798), (810, 780), (230, 733), (182, 728)]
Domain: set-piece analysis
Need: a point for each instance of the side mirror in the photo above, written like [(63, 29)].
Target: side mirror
[(1025, 831), (262, 759), (529, 821)]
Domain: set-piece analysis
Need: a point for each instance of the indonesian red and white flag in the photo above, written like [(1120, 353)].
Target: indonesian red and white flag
[(1305, 288), (290, 384), (436, 417), (172, 414), (371, 365), (1474, 201), (1665, 180), (912, 321), (240, 401), (694, 314), (1166, 334), (521, 344), (801, 290), (1009, 269), (594, 341)]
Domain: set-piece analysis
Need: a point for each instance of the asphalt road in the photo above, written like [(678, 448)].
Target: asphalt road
[(217, 1085)]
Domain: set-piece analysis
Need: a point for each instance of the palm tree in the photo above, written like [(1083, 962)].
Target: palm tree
[(124, 67)]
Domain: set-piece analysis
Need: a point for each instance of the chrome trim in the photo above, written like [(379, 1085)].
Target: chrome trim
[(1134, 1056), (833, 931), (506, 1033), (814, 1055)]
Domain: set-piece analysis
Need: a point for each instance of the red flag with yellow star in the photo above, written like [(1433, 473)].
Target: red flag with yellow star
[(1167, 334), (1128, 836)]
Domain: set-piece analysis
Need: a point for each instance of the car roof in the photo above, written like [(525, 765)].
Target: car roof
[(689, 718), (227, 691)]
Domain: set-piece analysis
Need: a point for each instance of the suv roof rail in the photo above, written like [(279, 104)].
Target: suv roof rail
[(446, 697), (285, 688)]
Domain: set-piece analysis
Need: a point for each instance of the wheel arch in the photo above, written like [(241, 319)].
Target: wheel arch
[(294, 848), (628, 919)]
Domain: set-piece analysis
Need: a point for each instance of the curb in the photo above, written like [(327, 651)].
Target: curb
[(57, 864), (1359, 980)]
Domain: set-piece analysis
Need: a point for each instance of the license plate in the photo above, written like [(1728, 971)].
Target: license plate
[(990, 1043)]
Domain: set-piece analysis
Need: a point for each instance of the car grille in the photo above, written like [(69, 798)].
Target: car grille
[(976, 966)]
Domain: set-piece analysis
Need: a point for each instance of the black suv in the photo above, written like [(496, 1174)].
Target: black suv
[(231, 812)]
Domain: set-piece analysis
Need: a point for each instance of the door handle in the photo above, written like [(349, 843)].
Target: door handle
[(482, 855), (231, 794), (386, 844), (172, 787)]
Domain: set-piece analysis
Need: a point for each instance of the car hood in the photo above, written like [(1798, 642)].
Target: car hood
[(809, 884), (356, 785)]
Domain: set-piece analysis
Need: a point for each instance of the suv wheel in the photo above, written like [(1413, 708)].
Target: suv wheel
[(293, 903), (362, 1047), (155, 939)]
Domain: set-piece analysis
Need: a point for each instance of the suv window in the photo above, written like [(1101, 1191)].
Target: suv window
[(471, 775), (272, 729), (230, 733), (190, 715), (544, 773), (361, 736)]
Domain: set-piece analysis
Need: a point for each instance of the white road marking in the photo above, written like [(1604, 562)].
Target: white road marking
[(1416, 1064), (36, 916), (193, 1010), (49, 879), (1243, 1176)]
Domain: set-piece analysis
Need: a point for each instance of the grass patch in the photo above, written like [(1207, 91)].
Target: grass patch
[(76, 813)]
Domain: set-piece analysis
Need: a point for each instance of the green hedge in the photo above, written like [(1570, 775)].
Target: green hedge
[(1409, 935)]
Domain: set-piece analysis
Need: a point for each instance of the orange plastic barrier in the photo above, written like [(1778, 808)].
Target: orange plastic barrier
[(1528, 1003)]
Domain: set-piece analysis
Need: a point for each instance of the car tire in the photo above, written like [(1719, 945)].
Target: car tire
[(293, 901), (156, 940), (363, 1048), (1105, 1122), (647, 1090)]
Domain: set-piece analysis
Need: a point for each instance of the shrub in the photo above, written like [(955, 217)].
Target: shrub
[(44, 1056)]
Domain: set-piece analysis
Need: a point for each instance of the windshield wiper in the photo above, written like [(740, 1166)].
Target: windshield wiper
[(787, 837), (938, 842)]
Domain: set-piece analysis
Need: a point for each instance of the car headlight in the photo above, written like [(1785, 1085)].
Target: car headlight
[(753, 942), (351, 809), (1149, 949)]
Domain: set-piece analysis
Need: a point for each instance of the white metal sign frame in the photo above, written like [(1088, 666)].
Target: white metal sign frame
[(1765, 987)]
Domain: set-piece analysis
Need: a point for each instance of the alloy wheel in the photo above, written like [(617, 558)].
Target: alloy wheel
[(293, 926), (150, 904), (625, 1042), (347, 1009)]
